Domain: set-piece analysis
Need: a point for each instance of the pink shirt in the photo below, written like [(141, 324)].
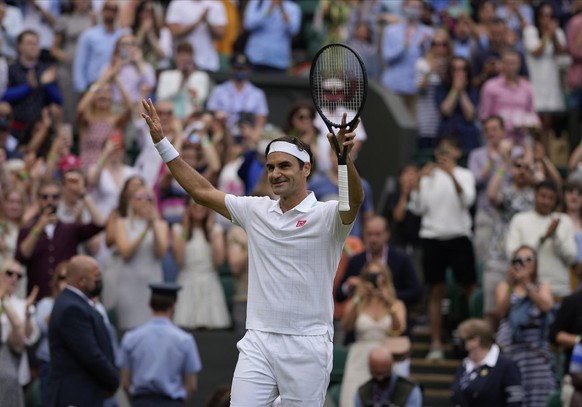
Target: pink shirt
[(574, 76), (515, 103)]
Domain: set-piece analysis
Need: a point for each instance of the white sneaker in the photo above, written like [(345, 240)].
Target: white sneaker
[(435, 354)]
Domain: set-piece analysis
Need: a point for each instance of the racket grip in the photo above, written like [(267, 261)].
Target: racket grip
[(344, 196)]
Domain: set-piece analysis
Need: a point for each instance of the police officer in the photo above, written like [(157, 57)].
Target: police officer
[(159, 361)]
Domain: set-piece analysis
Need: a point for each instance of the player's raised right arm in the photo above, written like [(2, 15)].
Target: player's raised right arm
[(198, 187)]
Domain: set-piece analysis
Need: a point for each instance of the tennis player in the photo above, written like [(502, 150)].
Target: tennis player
[(295, 245)]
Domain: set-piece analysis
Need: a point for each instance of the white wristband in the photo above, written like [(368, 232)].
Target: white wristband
[(166, 150)]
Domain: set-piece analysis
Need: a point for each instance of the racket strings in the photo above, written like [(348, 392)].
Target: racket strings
[(340, 84)]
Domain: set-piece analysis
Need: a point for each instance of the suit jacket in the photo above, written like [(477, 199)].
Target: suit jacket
[(82, 361), (406, 283), (498, 386)]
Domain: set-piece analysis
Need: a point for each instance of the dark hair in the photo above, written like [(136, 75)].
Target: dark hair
[(494, 117), (74, 171), (189, 223), (219, 397), (136, 19), (24, 34), (303, 104), (448, 80), (161, 303), (123, 198), (537, 13), (184, 47), (452, 140), (548, 184), (292, 140)]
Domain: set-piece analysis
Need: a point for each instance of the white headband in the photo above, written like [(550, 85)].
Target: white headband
[(289, 148)]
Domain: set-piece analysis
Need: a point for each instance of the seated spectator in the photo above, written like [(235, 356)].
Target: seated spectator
[(511, 97), (229, 99), (566, 329), (430, 71), (574, 74), (141, 239), (486, 377), (524, 302), (97, 119), (32, 84), (386, 386), (365, 43), (12, 210), (198, 23), (376, 235), (334, 16), (457, 101), (552, 233), (153, 38), (198, 245), (376, 314), (300, 124), (486, 12), (19, 330), (517, 15), (466, 40), (404, 224), (402, 44), (572, 206), (186, 86), (271, 25), (46, 241)]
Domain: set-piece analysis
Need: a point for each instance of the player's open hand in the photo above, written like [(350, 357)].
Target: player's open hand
[(153, 120)]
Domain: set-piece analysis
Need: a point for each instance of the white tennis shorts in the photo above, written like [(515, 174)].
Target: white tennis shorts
[(295, 367)]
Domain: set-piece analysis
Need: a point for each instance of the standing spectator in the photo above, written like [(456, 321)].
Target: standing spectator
[(404, 278), (198, 245), (574, 41), (466, 40), (186, 87), (375, 314), (508, 197), (544, 43), (41, 17), (141, 240), (572, 199), (300, 124), (95, 47), (486, 377), (271, 25), (159, 362), (567, 326), (511, 97), (97, 119), (11, 20), (486, 11), (237, 95), (47, 241), (237, 256), (153, 38), (444, 194), (430, 71), (334, 15), (82, 368), (32, 84), (552, 233), (199, 23), (523, 303), (386, 386), (8, 142), (68, 30), (365, 42), (517, 15), (13, 204), (402, 44), (18, 330), (43, 314), (457, 99)]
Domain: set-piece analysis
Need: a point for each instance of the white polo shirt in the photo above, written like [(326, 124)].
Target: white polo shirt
[(293, 258)]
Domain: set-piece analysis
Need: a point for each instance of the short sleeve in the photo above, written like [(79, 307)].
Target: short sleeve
[(192, 359), (217, 15)]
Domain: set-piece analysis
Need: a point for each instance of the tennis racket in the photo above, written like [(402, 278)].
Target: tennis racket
[(339, 84)]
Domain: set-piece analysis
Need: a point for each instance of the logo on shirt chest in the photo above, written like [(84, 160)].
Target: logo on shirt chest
[(300, 223)]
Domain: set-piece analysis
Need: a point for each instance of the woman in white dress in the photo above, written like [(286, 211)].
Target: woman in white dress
[(543, 43), (141, 241), (376, 314), (199, 249)]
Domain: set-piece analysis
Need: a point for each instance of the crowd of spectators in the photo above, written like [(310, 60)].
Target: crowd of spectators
[(494, 86)]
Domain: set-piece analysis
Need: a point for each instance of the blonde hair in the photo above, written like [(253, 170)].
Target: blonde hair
[(477, 328), (385, 273)]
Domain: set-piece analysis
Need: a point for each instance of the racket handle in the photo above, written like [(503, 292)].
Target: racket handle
[(344, 196)]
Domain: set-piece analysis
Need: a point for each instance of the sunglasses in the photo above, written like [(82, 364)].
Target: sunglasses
[(12, 273), (50, 196), (62, 278), (521, 261)]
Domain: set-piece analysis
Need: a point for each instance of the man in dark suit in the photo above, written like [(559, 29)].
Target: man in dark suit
[(376, 235), (82, 362)]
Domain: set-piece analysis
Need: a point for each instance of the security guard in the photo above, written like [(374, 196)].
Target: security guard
[(159, 361)]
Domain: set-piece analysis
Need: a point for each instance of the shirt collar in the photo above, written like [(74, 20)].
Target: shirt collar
[(489, 360), (303, 206)]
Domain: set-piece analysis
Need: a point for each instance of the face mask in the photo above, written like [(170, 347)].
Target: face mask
[(240, 76), (412, 13), (96, 291)]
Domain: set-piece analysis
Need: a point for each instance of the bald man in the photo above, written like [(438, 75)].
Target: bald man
[(82, 370), (386, 388)]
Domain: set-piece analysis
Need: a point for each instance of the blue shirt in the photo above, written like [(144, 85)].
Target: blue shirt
[(401, 60), (94, 51), (414, 399), (270, 36), (159, 355), (226, 98)]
